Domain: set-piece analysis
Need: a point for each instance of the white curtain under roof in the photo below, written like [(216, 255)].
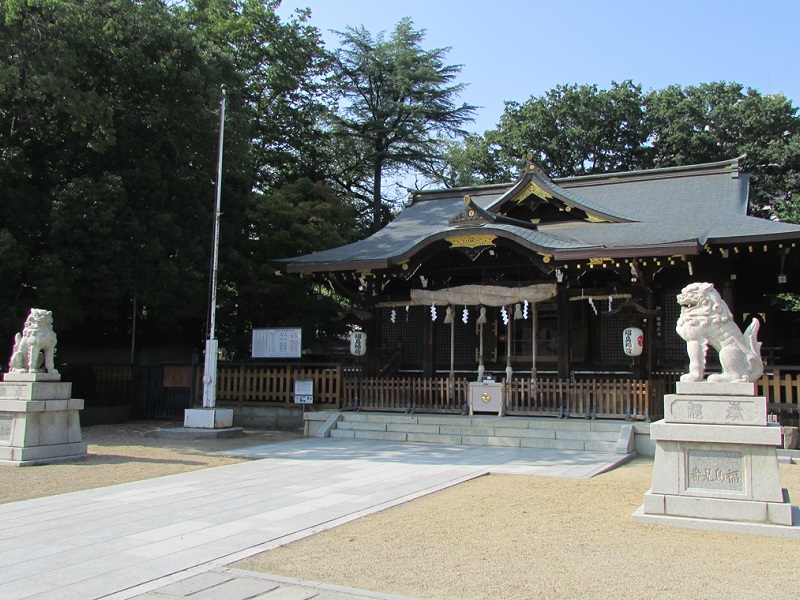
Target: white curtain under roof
[(486, 295)]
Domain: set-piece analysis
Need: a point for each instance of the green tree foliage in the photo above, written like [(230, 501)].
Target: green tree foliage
[(473, 160), (577, 130), (109, 116), (718, 121), (279, 86), (297, 218), (282, 105), (107, 148), (580, 130), (395, 100)]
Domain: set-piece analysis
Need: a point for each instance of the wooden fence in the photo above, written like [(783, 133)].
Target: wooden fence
[(404, 393), (243, 384), (782, 390), (595, 398)]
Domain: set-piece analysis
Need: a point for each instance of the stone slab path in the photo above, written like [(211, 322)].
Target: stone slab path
[(155, 538)]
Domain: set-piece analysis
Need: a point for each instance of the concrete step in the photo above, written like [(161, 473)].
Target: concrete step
[(481, 430)]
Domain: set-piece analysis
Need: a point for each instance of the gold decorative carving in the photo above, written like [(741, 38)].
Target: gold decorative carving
[(594, 219), (532, 189), (599, 261), (486, 398), (472, 241)]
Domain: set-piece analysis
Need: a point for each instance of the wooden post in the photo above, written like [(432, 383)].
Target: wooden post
[(428, 346), (562, 301)]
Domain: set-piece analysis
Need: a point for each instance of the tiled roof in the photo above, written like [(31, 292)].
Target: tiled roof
[(657, 210)]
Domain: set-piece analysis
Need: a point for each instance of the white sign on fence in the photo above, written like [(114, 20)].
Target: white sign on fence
[(303, 391), (277, 342)]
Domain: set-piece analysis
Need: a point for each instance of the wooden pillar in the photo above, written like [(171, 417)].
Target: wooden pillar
[(564, 324), (372, 359), (428, 346), (649, 338)]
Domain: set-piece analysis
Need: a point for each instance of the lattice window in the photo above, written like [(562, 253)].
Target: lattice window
[(675, 347), (465, 341), (611, 328), (407, 329)]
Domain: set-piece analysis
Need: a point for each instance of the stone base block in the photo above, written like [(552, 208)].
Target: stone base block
[(41, 455), (39, 422), (715, 410), (661, 431), (720, 526), (28, 377), (208, 418), (704, 388), (34, 390), (775, 513)]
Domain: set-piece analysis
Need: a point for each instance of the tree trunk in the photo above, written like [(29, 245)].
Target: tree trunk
[(377, 203)]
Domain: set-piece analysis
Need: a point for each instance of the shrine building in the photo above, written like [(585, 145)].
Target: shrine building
[(540, 285)]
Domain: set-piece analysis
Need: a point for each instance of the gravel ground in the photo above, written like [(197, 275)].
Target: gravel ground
[(493, 537), (535, 537)]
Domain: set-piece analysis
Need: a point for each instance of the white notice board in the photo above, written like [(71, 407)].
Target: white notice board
[(303, 391), (277, 342)]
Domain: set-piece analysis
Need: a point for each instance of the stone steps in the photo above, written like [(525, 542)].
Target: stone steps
[(478, 430)]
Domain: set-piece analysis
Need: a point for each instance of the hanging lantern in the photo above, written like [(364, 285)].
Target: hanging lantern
[(632, 341), (358, 343)]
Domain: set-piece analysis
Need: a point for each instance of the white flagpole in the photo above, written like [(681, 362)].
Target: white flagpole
[(210, 367)]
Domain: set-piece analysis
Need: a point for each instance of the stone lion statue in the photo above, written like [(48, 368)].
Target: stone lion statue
[(36, 344), (705, 319)]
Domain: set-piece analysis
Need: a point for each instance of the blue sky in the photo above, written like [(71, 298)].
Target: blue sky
[(512, 49)]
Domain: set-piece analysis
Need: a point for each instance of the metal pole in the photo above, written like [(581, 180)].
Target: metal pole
[(210, 370)]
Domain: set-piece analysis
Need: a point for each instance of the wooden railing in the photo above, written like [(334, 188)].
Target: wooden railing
[(266, 385), (595, 398), (405, 394), (334, 387), (782, 390)]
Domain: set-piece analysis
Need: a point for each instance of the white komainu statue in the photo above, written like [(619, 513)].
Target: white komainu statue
[(705, 319), (37, 338)]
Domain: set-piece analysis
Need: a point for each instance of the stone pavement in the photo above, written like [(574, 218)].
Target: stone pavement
[(173, 536)]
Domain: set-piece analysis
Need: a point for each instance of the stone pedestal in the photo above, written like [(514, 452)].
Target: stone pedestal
[(208, 418), (715, 464), (199, 423), (39, 421)]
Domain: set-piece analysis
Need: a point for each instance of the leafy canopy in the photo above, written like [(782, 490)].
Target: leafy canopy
[(395, 100), (581, 130)]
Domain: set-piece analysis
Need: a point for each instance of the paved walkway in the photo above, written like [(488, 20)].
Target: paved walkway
[(173, 536)]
